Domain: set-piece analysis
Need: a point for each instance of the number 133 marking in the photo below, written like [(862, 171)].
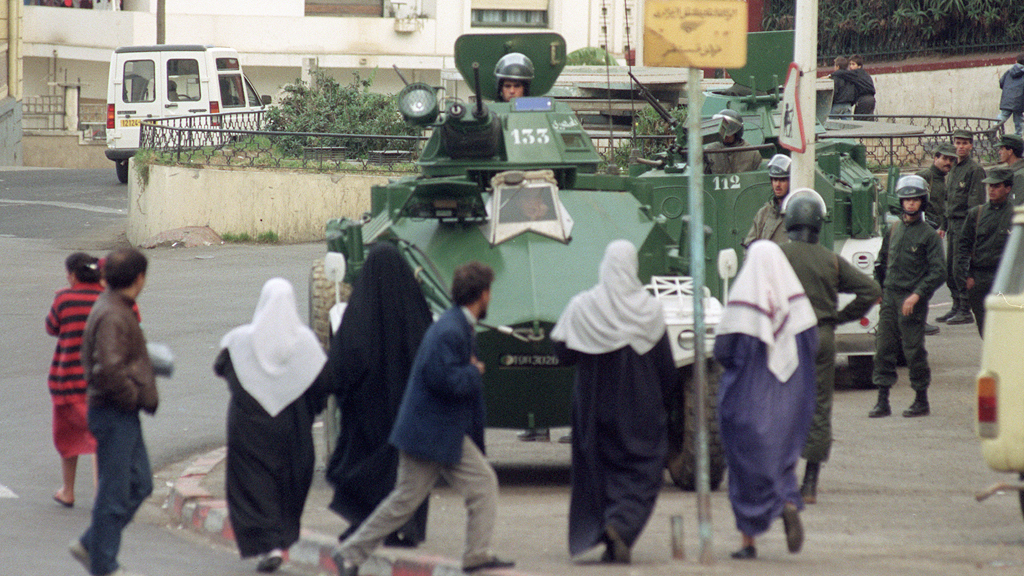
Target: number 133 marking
[(522, 136)]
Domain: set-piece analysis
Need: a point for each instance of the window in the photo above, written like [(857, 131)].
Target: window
[(183, 80), (254, 97), (505, 13), (139, 85), (231, 94)]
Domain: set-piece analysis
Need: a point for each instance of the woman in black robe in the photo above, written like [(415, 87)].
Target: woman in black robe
[(370, 357), (274, 369), (615, 335)]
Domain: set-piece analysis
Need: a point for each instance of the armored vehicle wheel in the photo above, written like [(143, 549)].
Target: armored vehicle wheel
[(121, 167), (682, 440), (321, 298), (859, 371)]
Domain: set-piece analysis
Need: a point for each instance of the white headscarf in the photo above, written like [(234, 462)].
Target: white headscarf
[(615, 313), (276, 357), (768, 302)]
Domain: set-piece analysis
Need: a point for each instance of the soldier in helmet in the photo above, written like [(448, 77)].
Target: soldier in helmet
[(984, 235), (824, 275), (768, 224), (731, 133), (514, 71), (909, 268)]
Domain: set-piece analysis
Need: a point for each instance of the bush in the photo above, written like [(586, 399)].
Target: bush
[(325, 106)]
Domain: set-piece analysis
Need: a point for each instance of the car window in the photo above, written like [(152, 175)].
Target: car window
[(139, 81), (1010, 278), (231, 94), (183, 80), (250, 92)]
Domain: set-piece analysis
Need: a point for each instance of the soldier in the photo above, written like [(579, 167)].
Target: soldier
[(909, 268), (514, 72), (984, 236), (964, 191), (935, 212), (731, 132), (1011, 149), (824, 275), (935, 176), (768, 224)]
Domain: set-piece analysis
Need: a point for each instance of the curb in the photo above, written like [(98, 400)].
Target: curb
[(193, 507)]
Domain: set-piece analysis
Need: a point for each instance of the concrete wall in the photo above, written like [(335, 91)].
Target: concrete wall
[(64, 150), (969, 87), (294, 205)]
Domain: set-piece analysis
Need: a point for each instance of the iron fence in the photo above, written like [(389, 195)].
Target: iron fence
[(239, 140), (915, 151)]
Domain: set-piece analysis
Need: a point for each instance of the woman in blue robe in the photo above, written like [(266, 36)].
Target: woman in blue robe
[(766, 343)]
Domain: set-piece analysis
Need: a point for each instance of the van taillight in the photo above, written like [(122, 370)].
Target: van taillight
[(110, 116), (214, 109), (988, 424)]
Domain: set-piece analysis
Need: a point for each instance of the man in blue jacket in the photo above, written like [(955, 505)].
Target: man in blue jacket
[(1011, 101), (439, 432)]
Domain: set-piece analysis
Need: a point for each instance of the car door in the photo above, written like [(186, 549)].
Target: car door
[(136, 96), (183, 89)]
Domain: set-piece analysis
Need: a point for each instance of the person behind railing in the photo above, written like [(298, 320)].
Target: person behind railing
[(1011, 101)]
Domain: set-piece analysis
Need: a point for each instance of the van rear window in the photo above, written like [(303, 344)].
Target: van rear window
[(183, 80), (227, 63), (139, 81), (231, 94)]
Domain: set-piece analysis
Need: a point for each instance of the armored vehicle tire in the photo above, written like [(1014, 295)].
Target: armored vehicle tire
[(682, 440), (121, 167), (858, 372), (321, 298)]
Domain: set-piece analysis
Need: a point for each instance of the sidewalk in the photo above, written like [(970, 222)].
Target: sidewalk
[(197, 502)]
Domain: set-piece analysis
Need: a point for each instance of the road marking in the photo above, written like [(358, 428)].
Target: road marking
[(72, 205), (6, 492)]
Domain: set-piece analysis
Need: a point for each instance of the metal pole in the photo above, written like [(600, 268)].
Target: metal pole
[(805, 55), (161, 21), (694, 105)]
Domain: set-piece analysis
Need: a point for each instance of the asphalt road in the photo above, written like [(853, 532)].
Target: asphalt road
[(895, 498)]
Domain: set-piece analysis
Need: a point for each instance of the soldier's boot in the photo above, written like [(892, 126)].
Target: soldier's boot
[(881, 408), (919, 407), (931, 329), (949, 314), (809, 488), (963, 313)]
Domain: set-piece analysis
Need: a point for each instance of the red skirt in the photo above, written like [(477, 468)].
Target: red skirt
[(71, 433)]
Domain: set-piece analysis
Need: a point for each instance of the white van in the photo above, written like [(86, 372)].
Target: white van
[(170, 80)]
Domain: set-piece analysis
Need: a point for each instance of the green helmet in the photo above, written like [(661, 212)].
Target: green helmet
[(732, 123), (804, 207)]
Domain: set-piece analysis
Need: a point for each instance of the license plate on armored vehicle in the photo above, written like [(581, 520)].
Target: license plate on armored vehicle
[(130, 122)]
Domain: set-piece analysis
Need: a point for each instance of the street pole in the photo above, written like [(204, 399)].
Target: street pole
[(805, 55), (161, 21), (696, 160)]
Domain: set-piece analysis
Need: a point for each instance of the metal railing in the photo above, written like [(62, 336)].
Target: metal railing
[(913, 151), (238, 139)]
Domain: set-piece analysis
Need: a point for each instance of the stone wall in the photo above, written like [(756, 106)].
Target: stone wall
[(293, 205)]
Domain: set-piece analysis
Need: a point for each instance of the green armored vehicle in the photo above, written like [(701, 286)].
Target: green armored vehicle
[(516, 186)]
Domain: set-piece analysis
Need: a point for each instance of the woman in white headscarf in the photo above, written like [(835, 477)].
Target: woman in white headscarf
[(766, 342), (615, 335), (274, 369)]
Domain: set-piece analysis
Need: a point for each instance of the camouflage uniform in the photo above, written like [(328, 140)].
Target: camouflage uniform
[(824, 275), (768, 224)]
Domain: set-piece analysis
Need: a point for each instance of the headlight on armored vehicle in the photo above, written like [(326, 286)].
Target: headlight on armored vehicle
[(418, 104)]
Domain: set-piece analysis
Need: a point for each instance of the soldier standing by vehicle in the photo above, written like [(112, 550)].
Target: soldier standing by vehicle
[(824, 275), (984, 236), (1011, 149), (964, 191), (909, 268), (731, 132), (768, 224)]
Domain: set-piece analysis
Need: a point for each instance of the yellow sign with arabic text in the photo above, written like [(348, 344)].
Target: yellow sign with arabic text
[(695, 33)]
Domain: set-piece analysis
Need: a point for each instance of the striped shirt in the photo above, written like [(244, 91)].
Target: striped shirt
[(66, 321)]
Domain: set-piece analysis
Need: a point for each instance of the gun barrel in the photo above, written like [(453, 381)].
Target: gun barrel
[(646, 95)]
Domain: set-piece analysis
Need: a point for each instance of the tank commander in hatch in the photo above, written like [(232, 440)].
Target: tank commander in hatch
[(768, 222), (731, 132), (514, 72)]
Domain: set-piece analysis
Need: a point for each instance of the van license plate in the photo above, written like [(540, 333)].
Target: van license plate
[(130, 122)]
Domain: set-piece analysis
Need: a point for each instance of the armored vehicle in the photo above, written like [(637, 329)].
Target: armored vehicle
[(516, 185)]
